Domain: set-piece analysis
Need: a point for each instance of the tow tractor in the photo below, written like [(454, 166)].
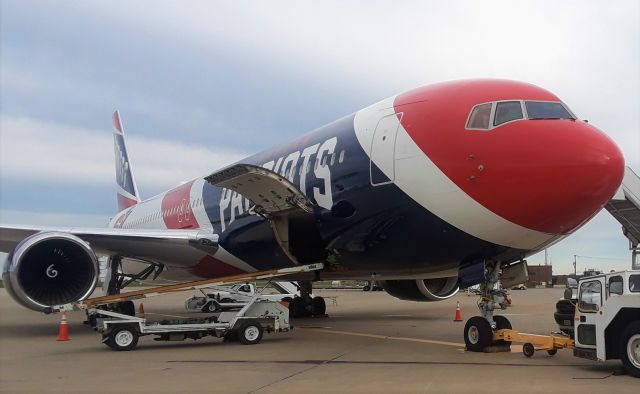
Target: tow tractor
[(607, 322), (247, 325)]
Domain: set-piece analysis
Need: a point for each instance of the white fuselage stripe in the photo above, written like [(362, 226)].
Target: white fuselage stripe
[(417, 176)]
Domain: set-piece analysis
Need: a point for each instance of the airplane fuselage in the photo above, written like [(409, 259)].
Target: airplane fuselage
[(409, 187)]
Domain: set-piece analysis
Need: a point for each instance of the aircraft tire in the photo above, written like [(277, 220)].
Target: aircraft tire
[(126, 308), (318, 306), (502, 323), (296, 308), (477, 334)]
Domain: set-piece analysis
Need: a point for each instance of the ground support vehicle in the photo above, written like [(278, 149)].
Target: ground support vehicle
[(121, 331), (607, 323), (607, 319), (219, 298)]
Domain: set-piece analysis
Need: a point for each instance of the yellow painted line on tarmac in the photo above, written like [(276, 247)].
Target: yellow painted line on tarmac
[(376, 336)]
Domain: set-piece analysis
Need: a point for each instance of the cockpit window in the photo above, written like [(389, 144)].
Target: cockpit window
[(507, 111), (547, 110), (479, 118)]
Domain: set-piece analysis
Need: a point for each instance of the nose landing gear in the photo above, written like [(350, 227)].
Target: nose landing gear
[(478, 331)]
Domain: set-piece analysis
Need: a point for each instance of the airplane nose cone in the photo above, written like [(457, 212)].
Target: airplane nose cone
[(558, 174)]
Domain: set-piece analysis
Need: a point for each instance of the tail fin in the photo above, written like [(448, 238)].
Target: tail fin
[(127, 189)]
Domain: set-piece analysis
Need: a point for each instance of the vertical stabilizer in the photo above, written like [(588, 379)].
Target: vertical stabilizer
[(127, 189)]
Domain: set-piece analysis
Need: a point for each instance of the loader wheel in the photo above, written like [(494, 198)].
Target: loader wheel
[(477, 334), (123, 338), (630, 349), (528, 349), (250, 332), (210, 307), (231, 336), (502, 323)]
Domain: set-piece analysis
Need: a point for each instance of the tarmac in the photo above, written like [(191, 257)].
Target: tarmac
[(370, 343)]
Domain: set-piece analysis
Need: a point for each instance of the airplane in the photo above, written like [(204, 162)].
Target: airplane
[(440, 187)]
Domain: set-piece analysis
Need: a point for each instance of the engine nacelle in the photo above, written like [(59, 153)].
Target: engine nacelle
[(50, 268), (424, 290)]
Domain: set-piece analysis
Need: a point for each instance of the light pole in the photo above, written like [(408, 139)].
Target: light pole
[(575, 272)]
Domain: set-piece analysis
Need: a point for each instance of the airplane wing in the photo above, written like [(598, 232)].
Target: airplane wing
[(154, 245)]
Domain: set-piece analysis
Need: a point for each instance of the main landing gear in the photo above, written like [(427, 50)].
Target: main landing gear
[(478, 331), (305, 305)]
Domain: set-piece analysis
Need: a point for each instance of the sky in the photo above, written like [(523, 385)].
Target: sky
[(201, 84)]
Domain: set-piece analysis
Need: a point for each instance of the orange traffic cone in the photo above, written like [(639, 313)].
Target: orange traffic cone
[(141, 310), (63, 334), (458, 313)]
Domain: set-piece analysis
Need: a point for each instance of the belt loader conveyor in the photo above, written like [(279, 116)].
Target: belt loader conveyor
[(121, 332)]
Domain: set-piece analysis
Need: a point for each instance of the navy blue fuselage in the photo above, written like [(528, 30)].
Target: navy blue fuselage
[(367, 230)]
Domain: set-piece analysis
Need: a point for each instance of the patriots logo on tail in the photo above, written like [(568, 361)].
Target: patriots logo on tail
[(127, 189)]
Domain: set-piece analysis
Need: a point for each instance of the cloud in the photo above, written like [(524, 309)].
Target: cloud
[(244, 75), (34, 150), (251, 68)]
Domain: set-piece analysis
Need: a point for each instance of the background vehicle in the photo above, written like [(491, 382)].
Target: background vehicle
[(233, 297), (375, 284), (566, 308)]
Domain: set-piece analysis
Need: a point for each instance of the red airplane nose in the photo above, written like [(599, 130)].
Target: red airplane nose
[(546, 175)]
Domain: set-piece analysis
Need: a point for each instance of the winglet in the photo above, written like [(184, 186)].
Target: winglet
[(127, 188)]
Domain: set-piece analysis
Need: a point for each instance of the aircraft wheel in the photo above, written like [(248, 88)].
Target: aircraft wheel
[(528, 349), (250, 332), (630, 349), (126, 308), (123, 338), (318, 306), (502, 323), (477, 334), (296, 307)]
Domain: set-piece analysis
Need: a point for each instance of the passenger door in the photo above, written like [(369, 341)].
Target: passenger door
[(382, 154)]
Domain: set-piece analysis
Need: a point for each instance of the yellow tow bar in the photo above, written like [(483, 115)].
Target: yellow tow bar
[(533, 342)]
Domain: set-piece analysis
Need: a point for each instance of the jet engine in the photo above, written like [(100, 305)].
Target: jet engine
[(50, 268), (424, 290)]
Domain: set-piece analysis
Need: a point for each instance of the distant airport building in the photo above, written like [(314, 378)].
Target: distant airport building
[(540, 275)]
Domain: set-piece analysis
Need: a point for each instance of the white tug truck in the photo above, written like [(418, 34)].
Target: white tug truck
[(607, 319), (606, 313)]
